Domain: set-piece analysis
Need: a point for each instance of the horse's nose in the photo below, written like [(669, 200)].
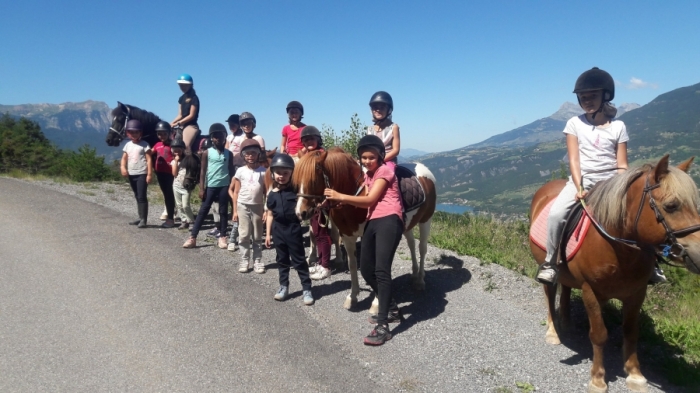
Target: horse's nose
[(304, 215)]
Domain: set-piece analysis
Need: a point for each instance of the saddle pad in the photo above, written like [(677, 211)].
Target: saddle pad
[(412, 193), (538, 232)]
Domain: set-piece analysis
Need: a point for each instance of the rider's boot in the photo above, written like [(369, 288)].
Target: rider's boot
[(143, 214)]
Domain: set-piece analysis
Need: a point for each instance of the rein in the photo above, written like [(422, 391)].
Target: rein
[(670, 247), (123, 131)]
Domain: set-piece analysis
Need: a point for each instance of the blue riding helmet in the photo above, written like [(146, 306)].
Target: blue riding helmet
[(185, 79)]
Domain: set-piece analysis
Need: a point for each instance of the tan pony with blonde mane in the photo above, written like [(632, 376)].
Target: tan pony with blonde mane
[(337, 170), (654, 207)]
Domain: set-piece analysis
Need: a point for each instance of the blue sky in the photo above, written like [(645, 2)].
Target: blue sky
[(459, 71)]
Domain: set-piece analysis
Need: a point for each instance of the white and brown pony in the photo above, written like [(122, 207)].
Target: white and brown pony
[(337, 170)]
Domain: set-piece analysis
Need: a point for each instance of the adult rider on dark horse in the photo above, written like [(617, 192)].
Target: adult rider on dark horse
[(188, 111)]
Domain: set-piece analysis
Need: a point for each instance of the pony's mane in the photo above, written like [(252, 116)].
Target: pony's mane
[(305, 170), (191, 163), (608, 199), (147, 119), (338, 164)]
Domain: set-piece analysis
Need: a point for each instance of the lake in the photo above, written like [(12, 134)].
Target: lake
[(455, 209)]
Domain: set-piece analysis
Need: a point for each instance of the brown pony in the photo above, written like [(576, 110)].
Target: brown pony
[(337, 169), (652, 206)]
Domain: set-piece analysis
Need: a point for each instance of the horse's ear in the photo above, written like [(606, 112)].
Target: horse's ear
[(661, 168), (685, 165), (271, 153), (123, 107)]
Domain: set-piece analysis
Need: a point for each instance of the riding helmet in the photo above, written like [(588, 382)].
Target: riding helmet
[(185, 79), (163, 126), (382, 97), (232, 119), (178, 143), (250, 144), (282, 160), (371, 142), (133, 125), (295, 104), (217, 128), (311, 131), (246, 116), (596, 79)]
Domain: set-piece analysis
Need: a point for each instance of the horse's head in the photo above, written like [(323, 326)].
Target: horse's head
[(119, 115), (673, 213), (309, 177)]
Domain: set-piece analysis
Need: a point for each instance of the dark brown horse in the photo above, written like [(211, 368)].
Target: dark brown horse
[(336, 169), (652, 206)]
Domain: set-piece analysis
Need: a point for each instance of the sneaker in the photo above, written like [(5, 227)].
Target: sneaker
[(307, 297), (378, 336), (391, 317), (223, 242), (546, 274), (282, 293), (259, 267), (168, 224), (184, 225), (321, 273), (312, 269), (232, 247), (191, 242), (243, 266), (213, 233), (658, 276)]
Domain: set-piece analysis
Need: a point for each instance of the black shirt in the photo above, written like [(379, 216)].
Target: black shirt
[(186, 101)]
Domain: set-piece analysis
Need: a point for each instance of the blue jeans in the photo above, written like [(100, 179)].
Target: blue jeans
[(219, 194)]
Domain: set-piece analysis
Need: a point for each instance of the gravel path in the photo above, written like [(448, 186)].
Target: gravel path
[(476, 328)]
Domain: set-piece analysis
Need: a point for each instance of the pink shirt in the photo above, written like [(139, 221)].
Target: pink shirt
[(163, 157), (293, 139), (390, 201)]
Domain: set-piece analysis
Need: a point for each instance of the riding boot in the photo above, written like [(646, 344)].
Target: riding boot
[(143, 214), (136, 222)]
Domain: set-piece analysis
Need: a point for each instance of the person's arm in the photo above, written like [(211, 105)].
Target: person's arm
[(283, 143), (149, 166), (268, 226), (175, 165), (231, 167), (179, 116), (363, 202), (203, 173), (622, 157), (575, 163), (395, 144), (233, 190), (125, 158)]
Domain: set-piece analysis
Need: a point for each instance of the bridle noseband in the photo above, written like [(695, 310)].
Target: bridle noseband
[(121, 133)]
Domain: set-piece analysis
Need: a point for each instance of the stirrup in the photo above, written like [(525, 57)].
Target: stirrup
[(547, 274)]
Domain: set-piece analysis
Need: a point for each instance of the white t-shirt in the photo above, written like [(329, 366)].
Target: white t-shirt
[(597, 146), (136, 157), (181, 172), (252, 185)]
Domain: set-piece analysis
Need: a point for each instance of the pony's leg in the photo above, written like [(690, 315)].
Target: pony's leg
[(551, 337), (599, 336), (335, 240), (411, 242), (424, 231), (630, 326), (351, 299), (564, 307), (313, 257)]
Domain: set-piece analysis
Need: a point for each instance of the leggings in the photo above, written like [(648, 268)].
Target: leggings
[(219, 194), (189, 134), (139, 186), (290, 252), (379, 242), (323, 240), (165, 181)]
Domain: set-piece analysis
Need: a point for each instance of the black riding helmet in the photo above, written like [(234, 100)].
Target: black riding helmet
[(232, 119), (596, 79), (178, 143), (311, 131), (282, 160), (163, 126), (371, 142), (217, 128), (246, 116), (382, 97), (295, 104)]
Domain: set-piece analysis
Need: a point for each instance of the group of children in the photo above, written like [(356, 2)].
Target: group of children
[(231, 168)]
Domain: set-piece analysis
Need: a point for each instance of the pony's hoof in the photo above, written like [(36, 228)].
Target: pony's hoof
[(637, 384), (594, 389), (552, 339), (349, 303)]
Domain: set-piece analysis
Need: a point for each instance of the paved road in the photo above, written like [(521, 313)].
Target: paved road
[(90, 304)]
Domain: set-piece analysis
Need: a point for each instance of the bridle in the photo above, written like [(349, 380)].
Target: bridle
[(323, 207), (670, 247), (121, 133)]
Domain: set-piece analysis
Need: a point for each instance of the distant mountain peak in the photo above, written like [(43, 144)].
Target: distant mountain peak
[(566, 111)]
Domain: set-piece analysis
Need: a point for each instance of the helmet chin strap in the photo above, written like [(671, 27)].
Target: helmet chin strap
[(379, 121)]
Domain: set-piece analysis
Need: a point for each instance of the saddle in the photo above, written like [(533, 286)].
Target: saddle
[(412, 193), (575, 229)]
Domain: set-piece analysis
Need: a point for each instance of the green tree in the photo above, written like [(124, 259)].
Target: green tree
[(85, 165), (23, 146), (347, 139)]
